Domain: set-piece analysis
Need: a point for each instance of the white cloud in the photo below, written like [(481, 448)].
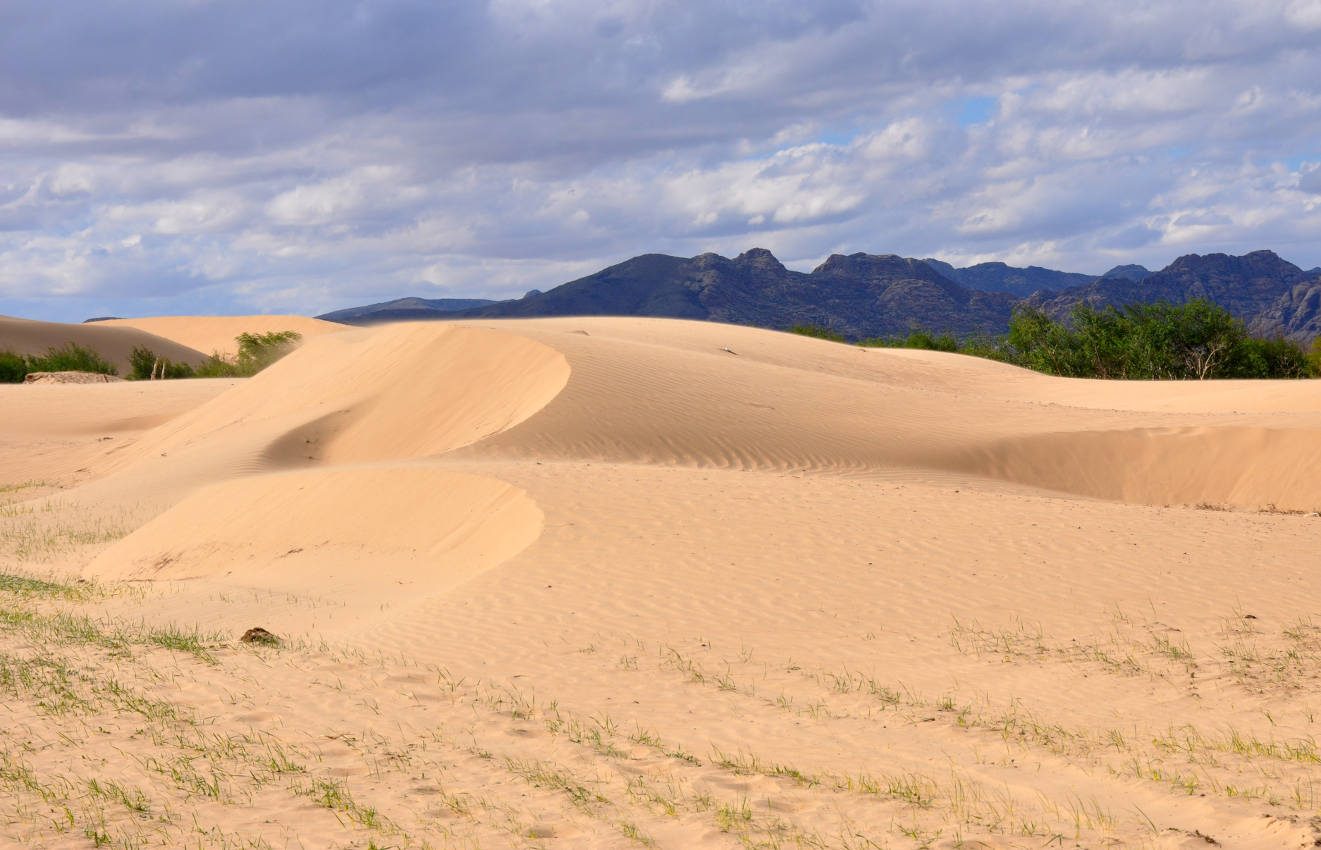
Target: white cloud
[(484, 149)]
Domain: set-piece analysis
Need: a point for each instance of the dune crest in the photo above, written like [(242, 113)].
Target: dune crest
[(722, 397), (1226, 465), (389, 393)]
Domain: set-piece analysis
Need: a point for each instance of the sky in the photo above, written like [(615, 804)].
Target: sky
[(298, 156)]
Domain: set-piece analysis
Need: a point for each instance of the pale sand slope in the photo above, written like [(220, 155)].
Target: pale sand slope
[(609, 582), (115, 344), (215, 334)]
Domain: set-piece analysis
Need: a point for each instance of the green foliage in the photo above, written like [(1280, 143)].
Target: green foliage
[(71, 357), (917, 338), (1270, 358), (145, 365), (817, 331), (1039, 343), (256, 352), (1158, 341), (13, 368)]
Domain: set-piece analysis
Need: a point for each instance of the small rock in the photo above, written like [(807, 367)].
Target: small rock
[(258, 635), (69, 378)]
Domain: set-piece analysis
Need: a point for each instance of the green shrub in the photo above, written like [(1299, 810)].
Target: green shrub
[(817, 331), (1158, 341), (71, 357), (13, 368), (145, 365), (255, 352), (916, 338), (1269, 358)]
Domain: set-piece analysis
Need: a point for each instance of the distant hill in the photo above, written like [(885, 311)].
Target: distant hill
[(865, 295), (1128, 272), (1245, 286), (859, 295), (114, 344), (402, 309), (1296, 315), (998, 277)]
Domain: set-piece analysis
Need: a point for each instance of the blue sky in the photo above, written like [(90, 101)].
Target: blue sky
[(228, 157)]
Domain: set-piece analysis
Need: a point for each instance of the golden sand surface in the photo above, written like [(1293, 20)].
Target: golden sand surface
[(607, 582)]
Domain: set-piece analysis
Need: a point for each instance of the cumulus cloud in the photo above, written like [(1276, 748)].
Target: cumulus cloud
[(306, 155)]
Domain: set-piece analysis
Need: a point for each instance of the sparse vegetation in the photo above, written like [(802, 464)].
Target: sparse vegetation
[(817, 331), (69, 357), (13, 367), (255, 352), (144, 365), (1157, 341)]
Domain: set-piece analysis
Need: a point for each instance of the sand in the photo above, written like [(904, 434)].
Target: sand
[(622, 582)]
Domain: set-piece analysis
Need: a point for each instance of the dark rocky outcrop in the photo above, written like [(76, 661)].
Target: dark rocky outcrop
[(1296, 315), (999, 277), (1245, 286), (1131, 271), (859, 295)]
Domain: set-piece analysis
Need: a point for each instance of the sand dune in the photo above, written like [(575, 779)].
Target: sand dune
[(215, 334), (410, 533), (115, 344), (609, 582)]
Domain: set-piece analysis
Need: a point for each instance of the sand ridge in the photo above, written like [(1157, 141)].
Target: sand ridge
[(617, 582)]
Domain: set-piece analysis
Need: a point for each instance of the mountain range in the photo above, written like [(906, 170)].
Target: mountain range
[(402, 309), (869, 295)]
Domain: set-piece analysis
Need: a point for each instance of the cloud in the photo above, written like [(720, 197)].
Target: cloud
[(172, 157)]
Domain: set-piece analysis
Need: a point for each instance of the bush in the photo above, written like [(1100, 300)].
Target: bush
[(1269, 358), (916, 338), (256, 352), (144, 365), (71, 357), (817, 331), (13, 368), (1159, 341)]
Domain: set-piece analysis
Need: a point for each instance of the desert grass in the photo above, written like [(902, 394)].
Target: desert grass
[(41, 530), (98, 743)]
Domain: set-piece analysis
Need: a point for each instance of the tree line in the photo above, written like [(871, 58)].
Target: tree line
[(1157, 341)]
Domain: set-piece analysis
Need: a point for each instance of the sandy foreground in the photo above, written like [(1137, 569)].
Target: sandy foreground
[(625, 582)]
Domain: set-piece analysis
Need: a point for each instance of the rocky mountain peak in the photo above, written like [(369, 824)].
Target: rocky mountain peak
[(759, 258)]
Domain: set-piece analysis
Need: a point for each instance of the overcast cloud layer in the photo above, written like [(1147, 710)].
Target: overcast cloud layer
[(186, 156)]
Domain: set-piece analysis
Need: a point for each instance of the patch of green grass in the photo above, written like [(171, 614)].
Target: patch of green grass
[(179, 639), (20, 585)]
